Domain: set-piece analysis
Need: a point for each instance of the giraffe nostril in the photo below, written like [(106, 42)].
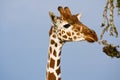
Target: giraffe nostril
[(92, 32)]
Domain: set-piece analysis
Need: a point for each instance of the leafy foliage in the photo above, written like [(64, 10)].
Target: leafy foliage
[(118, 6), (110, 49), (108, 25)]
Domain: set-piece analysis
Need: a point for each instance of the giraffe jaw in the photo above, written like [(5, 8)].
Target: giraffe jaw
[(91, 39)]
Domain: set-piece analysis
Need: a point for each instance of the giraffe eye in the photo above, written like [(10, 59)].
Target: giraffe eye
[(67, 25)]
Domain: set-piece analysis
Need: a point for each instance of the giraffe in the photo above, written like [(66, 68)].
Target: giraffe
[(66, 28)]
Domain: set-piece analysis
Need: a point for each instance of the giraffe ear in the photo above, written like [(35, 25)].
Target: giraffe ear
[(79, 16), (53, 17)]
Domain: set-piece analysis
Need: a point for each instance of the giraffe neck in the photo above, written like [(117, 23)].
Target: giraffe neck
[(54, 55)]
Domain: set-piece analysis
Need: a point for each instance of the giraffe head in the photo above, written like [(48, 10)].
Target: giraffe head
[(68, 27)]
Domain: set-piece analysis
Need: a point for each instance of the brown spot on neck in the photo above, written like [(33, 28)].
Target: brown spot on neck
[(52, 63), (56, 44), (58, 71), (51, 76), (64, 36), (73, 33), (58, 62), (52, 42), (54, 36), (54, 53), (60, 53), (50, 49), (59, 79), (50, 32), (74, 37)]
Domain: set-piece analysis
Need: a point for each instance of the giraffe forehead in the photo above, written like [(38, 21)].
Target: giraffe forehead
[(73, 23), (60, 24), (71, 19)]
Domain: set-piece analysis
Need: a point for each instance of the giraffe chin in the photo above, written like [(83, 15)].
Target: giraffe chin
[(91, 40)]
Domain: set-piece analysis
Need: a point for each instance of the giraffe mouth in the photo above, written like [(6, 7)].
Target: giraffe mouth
[(92, 39)]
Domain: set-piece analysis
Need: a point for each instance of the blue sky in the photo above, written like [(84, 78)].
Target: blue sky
[(24, 41)]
